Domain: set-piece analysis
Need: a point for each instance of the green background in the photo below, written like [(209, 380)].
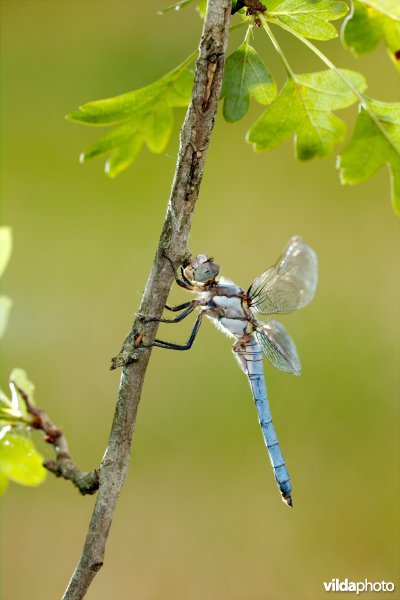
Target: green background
[(200, 517)]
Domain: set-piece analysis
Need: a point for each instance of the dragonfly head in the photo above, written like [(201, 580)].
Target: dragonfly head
[(202, 269)]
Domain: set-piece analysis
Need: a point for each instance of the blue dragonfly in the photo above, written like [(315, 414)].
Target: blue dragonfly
[(288, 285)]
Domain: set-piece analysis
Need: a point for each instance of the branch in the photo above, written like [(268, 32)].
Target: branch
[(195, 137), (63, 466)]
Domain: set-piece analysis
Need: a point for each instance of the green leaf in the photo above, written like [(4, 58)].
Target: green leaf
[(201, 8), (303, 109), (310, 18), (245, 76), (175, 87), (18, 378), (15, 411), (375, 142), (20, 461), (5, 307), (5, 247), (370, 22), (142, 115), (123, 156), (158, 127)]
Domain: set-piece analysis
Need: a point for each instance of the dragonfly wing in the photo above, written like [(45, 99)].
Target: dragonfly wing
[(279, 347), (288, 285)]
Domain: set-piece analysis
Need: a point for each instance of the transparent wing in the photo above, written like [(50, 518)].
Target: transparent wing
[(288, 285), (279, 347)]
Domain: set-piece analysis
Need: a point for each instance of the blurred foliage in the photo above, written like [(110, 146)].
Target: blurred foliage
[(379, 124), (19, 460), (371, 21), (199, 516)]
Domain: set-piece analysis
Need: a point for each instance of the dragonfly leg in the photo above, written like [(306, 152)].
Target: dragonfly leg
[(190, 308), (172, 346), (178, 307), (184, 282)]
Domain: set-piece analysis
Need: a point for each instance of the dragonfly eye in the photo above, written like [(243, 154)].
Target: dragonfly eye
[(206, 272)]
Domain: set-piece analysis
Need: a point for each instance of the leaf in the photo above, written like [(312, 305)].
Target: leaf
[(20, 461), (201, 8), (303, 109), (5, 247), (18, 378), (245, 76), (15, 411), (142, 115), (375, 142), (123, 156), (5, 307), (371, 21), (310, 18), (158, 127)]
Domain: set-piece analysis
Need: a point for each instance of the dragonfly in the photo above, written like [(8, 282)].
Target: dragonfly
[(287, 286)]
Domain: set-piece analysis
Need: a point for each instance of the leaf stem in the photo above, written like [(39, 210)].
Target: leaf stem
[(277, 47), (247, 36)]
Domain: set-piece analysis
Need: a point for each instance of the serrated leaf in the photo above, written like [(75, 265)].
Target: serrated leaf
[(5, 247), (369, 23), (123, 156), (158, 127), (19, 378), (5, 307), (111, 111), (245, 76), (375, 142), (179, 92), (201, 8), (142, 115), (303, 109), (20, 461), (15, 411), (310, 18)]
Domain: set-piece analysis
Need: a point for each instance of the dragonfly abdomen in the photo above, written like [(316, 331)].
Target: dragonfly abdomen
[(250, 356)]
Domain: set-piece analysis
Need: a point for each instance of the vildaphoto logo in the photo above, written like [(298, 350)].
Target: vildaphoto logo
[(336, 585)]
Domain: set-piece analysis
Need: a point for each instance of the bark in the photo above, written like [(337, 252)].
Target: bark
[(195, 137)]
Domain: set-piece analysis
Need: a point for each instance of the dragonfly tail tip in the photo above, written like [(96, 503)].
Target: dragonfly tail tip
[(288, 500)]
